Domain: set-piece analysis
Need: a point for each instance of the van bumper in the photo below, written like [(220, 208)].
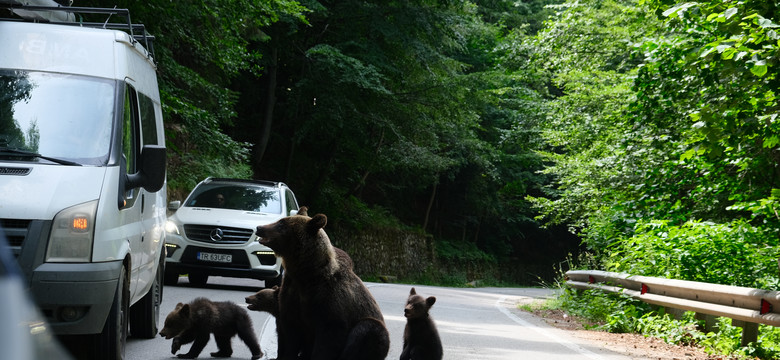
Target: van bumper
[(75, 298)]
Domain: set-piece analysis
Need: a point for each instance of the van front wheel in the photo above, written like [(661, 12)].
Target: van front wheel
[(110, 344), (145, 313)]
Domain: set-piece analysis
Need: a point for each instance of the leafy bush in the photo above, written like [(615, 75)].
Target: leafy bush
[(618, 313), (732, 254), (614, 313)]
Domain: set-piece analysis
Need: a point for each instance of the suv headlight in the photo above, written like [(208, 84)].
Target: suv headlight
[(171, 228), (72, 233)]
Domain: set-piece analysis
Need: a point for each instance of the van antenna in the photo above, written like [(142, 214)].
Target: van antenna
[(108, 18)]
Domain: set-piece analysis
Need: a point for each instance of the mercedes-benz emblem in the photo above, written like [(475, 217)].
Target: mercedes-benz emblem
[(217, 234)]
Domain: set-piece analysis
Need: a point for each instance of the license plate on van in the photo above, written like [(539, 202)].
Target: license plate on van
[(223, 258)]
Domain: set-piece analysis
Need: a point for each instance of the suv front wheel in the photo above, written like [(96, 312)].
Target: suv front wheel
[(198, 279), (171, 278)]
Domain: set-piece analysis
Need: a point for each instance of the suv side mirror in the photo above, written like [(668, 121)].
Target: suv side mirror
[(174, 205), (151, 174)]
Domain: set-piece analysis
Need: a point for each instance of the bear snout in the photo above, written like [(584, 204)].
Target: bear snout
[(260, 231)]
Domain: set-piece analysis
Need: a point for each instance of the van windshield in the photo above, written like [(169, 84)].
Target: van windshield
[(55, 118)]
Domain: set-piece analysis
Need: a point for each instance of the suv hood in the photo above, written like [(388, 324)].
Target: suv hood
[(47, 189), (223, 217)]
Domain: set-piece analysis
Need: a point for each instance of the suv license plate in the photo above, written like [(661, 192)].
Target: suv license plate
[(223, 258)]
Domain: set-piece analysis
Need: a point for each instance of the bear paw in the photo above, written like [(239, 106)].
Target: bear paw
[(186, 356), (175, 345), (221, 354)]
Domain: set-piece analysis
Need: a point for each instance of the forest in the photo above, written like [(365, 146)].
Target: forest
[(627, 135)]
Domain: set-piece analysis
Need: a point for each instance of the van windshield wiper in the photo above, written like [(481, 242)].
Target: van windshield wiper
[(25, 153)]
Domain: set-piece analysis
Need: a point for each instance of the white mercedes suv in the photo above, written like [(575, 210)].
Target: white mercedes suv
[(213, 231)]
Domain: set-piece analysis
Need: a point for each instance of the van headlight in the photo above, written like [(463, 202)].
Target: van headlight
[(72, 233)]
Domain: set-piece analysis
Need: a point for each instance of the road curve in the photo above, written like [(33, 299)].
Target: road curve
[(474, 323)]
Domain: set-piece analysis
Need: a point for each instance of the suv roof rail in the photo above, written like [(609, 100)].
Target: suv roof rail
[(35, 13), (251, 181)]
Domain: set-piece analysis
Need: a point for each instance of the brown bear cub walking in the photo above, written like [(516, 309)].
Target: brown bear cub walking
[(421, 339), (200, 318), (325, 310)]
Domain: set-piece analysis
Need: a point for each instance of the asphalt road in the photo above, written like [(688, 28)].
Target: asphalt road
[(478, 323)]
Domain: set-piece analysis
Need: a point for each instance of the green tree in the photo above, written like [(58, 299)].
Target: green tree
[(200, 48), (587, 48)]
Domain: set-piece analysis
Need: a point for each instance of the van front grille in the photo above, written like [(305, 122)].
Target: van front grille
[(18, 171), (15, 231)]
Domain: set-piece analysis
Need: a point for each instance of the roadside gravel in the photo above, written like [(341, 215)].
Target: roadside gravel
[(635, 346)]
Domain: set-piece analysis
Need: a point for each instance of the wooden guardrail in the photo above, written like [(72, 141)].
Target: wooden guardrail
[(747, 307)]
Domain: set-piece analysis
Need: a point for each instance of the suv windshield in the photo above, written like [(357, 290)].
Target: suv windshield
[(47, 116), (244, 197)]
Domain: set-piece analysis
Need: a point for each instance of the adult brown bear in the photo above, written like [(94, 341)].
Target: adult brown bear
[(325, 311)]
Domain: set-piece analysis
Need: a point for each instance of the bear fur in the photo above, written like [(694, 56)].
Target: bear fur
[(341, 255), (325, 310), (197, 320), (421, 339)]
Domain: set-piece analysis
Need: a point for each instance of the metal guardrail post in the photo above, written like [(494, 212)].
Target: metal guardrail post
[(745, 306)]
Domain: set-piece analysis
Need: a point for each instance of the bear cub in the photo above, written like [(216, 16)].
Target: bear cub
[(264, 300), (200, 318), (421, 339)]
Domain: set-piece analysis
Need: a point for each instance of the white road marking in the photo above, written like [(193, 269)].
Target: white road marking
[(545, 332)]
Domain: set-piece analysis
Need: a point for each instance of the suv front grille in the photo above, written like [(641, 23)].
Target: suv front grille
[(217, 234)]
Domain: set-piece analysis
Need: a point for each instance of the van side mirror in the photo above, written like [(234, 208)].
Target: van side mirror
[(151, 172)]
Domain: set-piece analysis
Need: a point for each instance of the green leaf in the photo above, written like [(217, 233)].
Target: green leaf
[(766, 23), (759, 69), (680, 8), (771, 141), (731, 12), (776, 193), (728, 54)]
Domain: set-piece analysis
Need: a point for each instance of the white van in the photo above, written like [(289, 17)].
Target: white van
[(82, 172)]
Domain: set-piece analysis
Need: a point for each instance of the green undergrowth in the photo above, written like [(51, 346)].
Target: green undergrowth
[(621, 314)]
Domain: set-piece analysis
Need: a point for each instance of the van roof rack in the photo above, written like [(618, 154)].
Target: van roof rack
[(36, 13)]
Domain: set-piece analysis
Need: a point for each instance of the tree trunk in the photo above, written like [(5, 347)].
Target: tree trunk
[(268, 114), (323, 175), (430, 205), (363, 178)]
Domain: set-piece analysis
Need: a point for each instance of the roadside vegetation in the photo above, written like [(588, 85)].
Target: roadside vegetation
[(620, 314)]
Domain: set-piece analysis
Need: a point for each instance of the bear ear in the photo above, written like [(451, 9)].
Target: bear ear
[(185, 310), (178, 306), (275, 288), (316, 223), (304, 210), (412, 292), (430, 301)]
